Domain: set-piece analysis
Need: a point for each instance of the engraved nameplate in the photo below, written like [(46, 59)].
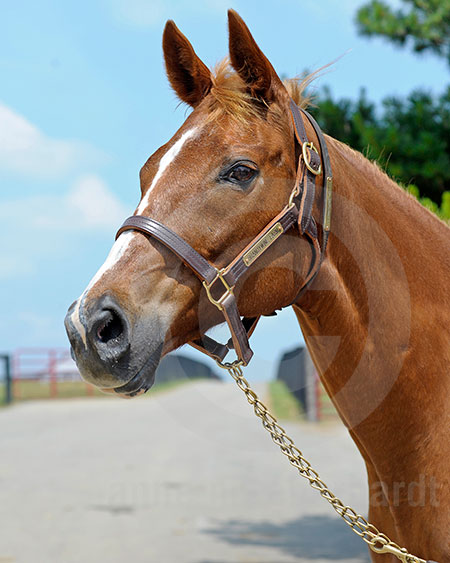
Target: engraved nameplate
[(263, 244), (327, 218)]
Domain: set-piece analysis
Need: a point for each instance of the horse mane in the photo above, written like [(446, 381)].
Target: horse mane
[(230, 95), (376, 175)]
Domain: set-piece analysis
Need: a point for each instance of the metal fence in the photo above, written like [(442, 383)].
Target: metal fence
[(41, 373)]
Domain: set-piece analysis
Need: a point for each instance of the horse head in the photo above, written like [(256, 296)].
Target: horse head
[(221, 178)]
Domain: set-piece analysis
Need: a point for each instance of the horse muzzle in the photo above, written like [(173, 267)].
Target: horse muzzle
[(112, 351)]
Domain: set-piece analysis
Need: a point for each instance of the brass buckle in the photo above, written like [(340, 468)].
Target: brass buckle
[(307, 159), (228, 289), (293, 195)]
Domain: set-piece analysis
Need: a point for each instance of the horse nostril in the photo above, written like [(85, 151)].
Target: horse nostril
[(110, 328)]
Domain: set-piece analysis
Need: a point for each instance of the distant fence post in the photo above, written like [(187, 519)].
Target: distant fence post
[(8, 379), (52, 373)]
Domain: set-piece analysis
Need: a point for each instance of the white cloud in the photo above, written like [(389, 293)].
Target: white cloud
[(37, 227), (25, 150), (13, 266), (139, 12), (89, 205), (95, 204), (147, 13)]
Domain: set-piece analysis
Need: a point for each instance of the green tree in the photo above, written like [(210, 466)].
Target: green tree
[(442, 211), (410, 138), (425, 24)]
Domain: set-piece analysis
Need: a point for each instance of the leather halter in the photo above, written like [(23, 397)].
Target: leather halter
[(219, 283)]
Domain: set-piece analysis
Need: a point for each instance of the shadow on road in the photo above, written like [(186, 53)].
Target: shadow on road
[(309, 537)]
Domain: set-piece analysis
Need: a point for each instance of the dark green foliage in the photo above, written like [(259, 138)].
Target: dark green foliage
[(410, 138), (425, 24), (442, 211)]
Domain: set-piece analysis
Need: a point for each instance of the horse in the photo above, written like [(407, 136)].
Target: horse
[(375, 316)]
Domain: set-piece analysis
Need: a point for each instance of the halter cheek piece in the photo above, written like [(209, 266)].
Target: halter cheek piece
[(220, 283)]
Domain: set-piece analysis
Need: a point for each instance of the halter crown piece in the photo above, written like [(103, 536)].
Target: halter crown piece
[(220, 283)]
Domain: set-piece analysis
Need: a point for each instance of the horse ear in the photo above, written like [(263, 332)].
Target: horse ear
[(188, 75), (250, 62)]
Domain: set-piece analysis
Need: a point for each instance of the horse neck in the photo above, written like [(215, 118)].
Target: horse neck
[(370, 318)]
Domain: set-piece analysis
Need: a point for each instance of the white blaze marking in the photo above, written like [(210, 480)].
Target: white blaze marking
[(119, 247), (75, 318), (163, 164), (115, 254)]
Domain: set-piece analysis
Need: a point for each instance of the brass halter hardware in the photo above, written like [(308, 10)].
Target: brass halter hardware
[(228, 289), (295, 192), (307, 159), (262, 244)]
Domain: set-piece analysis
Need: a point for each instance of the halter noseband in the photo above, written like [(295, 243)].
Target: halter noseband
[(220, 283)]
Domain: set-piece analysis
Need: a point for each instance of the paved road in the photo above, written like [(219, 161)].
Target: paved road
[(187, 476)]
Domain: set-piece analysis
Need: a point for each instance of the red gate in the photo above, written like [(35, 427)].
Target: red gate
[(46, 372)]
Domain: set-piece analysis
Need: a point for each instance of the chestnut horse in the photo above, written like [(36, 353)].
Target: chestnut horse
[(376, 318)]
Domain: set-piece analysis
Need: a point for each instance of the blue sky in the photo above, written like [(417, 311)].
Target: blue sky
[(84, 101)]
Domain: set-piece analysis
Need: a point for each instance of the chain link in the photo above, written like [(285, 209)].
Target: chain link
[(377, 541)]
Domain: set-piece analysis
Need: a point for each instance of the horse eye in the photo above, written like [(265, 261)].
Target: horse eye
[(240, 174)]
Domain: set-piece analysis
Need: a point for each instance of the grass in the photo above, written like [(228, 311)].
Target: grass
[(327, 408), (29, 390), (282, 403), (286, 407), (36, 390)]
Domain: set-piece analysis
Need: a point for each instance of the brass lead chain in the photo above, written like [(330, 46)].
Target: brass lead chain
[(377, 541)]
